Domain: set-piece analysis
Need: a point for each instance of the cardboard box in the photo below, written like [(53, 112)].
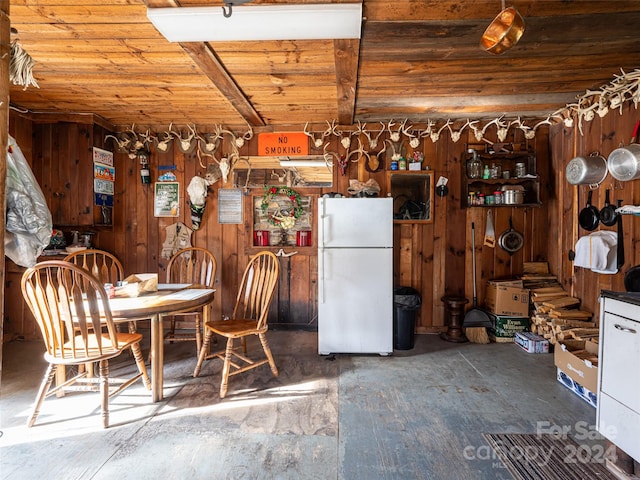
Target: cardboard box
[(504, 329), (135, 285), (531, 343), (580, 370), (584, 393), (507, 297)]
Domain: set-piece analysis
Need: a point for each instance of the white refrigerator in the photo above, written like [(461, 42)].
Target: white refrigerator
[(355, 275)]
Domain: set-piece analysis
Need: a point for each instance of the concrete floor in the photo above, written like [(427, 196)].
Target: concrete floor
[(418, 414)]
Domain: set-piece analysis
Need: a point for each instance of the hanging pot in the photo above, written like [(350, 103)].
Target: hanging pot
[(632, 279), (503, 32), (590, 170), (511, 240), (624, 162), (608, 215), (589, 216)]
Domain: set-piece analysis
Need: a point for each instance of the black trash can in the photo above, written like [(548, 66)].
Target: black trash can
[(407, 302)]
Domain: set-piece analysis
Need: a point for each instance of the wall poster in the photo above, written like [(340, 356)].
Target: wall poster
[(104, 177), (230, 205), (166, 199)]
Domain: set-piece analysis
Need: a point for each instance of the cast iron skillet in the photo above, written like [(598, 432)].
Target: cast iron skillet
[(589, 216), (608, 213)]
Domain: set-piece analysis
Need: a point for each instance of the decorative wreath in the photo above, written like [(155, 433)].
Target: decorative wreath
[(296, 202)]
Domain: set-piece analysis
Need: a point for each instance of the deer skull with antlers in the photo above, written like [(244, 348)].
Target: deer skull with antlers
[(162, 141), (122, 141), (186, 143), (414, 140), (373, 141), (240, 140), (317, 141)]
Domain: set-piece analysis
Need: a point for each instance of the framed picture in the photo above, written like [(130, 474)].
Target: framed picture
[(166, 199)]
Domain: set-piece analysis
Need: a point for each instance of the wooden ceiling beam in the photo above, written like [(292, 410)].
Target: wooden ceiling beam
[(208, 61), (206, 58), (346, 52)]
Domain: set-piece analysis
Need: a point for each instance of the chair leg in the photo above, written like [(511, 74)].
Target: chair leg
[(198, 333), (172, 329), (225, 368), (47, 380), (267, 352), (203, 352), (104, 392), (137, 354)]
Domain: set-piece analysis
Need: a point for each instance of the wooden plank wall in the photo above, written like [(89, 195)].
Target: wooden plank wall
[(434, 258), (601, 135)]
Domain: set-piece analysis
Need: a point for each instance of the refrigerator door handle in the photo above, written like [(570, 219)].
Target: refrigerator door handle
[(321, 275), (323, 220)]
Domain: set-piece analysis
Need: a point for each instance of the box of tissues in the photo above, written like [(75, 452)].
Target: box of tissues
[(134, 285)]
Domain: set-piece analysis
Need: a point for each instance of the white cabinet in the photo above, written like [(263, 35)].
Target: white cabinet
[(618, 412)]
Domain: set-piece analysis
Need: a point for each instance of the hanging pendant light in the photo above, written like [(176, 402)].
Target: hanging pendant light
[(503, 32)]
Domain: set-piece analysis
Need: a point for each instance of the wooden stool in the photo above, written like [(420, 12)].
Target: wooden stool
[(454, 312)]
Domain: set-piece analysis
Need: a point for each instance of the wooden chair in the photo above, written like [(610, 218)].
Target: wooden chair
[(249, 318), (104, 266), (193, 265), (72, 310)]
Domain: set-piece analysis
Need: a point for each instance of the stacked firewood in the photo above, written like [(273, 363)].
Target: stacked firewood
[(556, 315)]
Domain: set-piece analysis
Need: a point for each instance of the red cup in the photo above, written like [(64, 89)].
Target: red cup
[(303, 238), (261, 238)]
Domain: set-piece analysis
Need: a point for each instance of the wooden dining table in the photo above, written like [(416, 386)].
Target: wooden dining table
[(167, 300)]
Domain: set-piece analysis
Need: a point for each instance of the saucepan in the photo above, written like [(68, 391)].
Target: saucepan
[(590, 170), (624, 162)]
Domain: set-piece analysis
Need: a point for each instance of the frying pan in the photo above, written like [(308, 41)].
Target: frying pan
[(589, 216), (608, 215), (511, 240)]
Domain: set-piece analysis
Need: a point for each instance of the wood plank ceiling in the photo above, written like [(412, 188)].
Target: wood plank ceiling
[(417, 59)]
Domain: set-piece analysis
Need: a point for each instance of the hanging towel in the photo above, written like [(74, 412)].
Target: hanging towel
[(598, 252)]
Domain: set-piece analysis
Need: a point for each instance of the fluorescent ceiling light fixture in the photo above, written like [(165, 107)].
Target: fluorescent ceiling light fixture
[(259, 22), (303, 163)]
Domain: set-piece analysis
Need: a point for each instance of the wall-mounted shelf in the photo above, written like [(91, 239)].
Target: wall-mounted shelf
[(510, 162)]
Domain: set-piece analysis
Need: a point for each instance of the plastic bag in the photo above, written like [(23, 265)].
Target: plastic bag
[(28, 219)]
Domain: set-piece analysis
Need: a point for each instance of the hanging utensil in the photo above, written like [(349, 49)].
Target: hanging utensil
[(624, 162), (503, 32), (608, 215), (620, 252), (589, 216), (590, 170), (490, 232), (511, 240)]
